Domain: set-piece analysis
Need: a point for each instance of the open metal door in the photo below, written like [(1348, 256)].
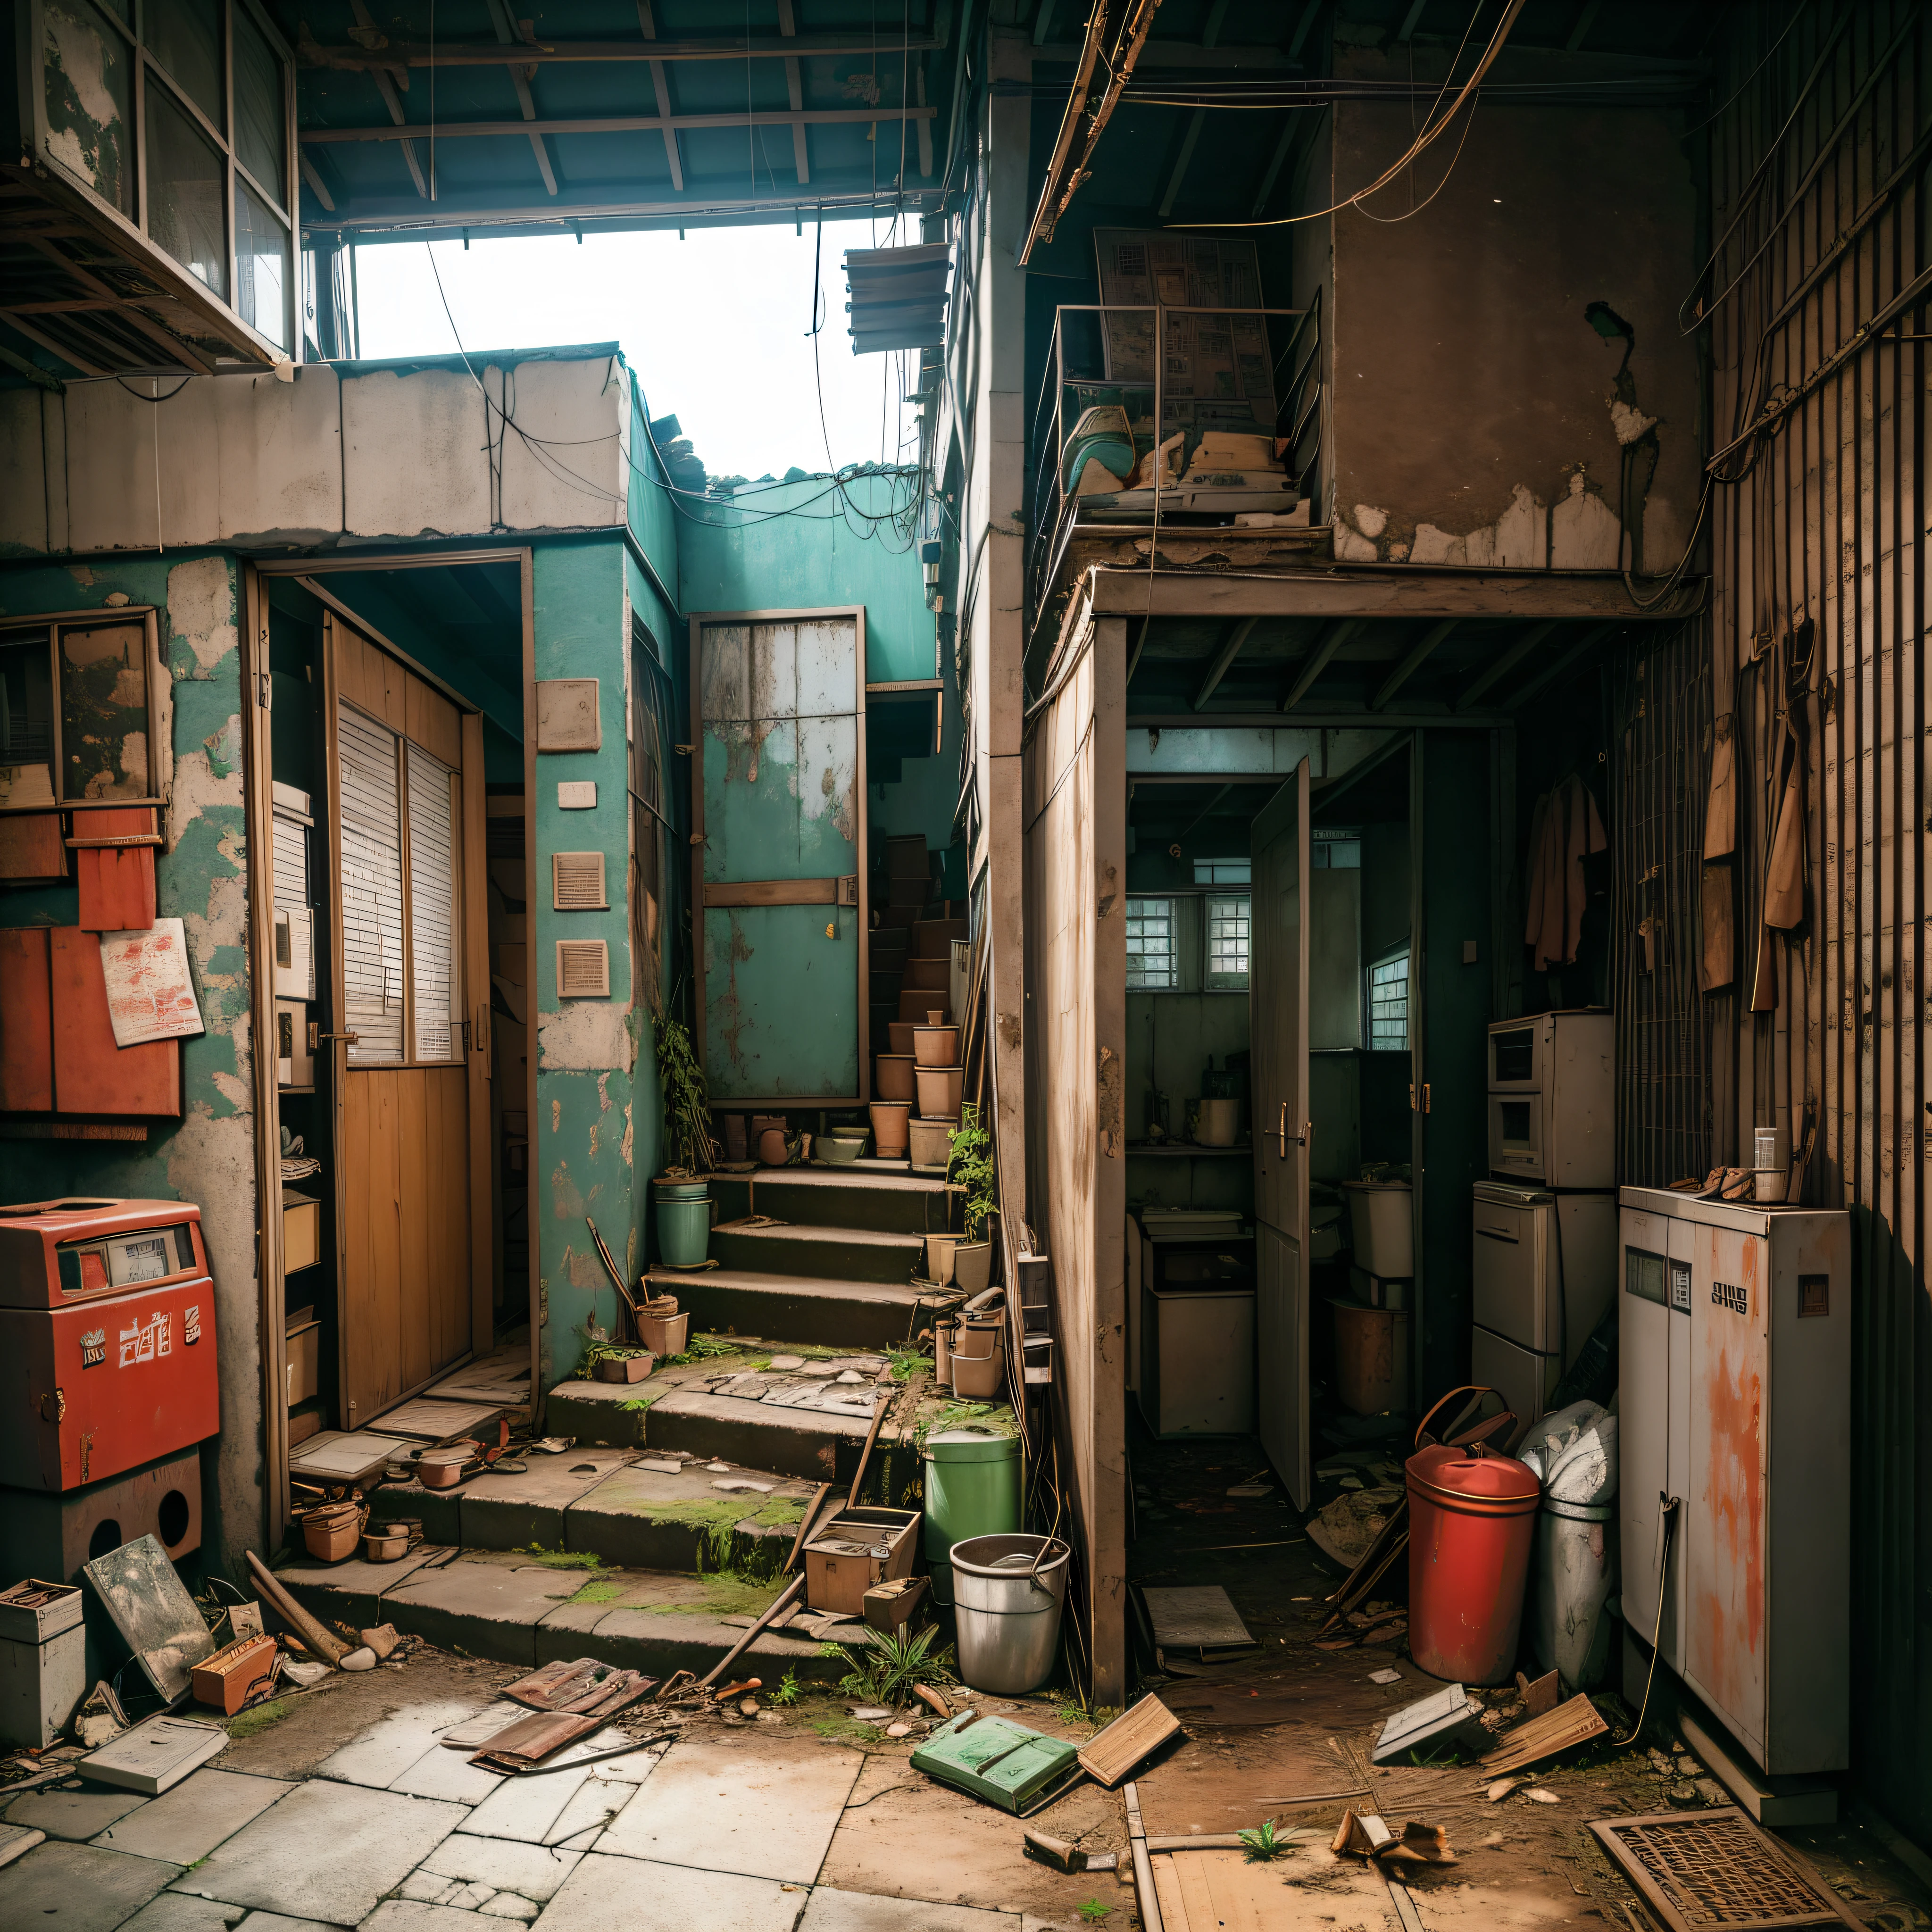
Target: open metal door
[(1278, 1002), (777, 863)]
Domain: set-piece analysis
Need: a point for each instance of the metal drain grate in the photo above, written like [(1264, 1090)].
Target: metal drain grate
[(1700, 1870)]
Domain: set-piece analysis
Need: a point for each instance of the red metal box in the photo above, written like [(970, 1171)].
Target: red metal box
[(54, 1253)]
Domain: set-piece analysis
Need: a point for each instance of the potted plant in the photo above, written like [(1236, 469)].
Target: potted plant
[(970, 1169), (683, 1197)]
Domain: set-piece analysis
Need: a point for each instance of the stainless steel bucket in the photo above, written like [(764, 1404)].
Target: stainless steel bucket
[(1008, 1592)]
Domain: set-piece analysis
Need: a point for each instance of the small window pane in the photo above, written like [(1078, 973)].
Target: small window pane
[(103, 676), (372, 891), (185, 37), (26, 722), (1151, 944), (87, 82), (186, 192), (1227, 940), (261, 267), (1223, 871), (259, 131), (1388, 1006), (435, 910)]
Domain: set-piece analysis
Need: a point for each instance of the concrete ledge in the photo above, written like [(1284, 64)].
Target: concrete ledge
[(839, 1314), (826, 1253), (793, 1442)]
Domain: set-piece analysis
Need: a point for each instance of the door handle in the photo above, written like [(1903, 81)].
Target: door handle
[(351, 1038), (1283, 1136), (1497, 1235)]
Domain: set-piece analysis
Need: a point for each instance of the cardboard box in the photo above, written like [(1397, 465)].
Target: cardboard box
[(41, 1684), (301, 1230), (856, 1549), (224, 1681), (304, 1357), (32, 1611)]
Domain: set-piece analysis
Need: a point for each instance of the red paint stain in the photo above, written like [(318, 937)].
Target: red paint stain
[(1732, 1613)]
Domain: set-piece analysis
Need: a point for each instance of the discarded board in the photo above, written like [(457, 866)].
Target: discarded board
[(1448, 1715), (150, 1607), (1131, 1738), (581, 1688), (1700, 1869), (994, 1759), (1536, 1738), (427, 1419), (1199, 1618), (353, 1457), (155, 1756)]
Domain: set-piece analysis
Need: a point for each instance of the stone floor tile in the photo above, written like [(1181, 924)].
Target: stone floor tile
[(595, 1808), (831, 1910), (404, 1914), (580, 1841), (176, 1912), (274, 1921), (470, 1897), (619, 1895), (510, 1905), (187, 1822), (82, 1887), (427, 1888), (534, 1871), (75, 1815), (525, 1807), (441, 1772), (768, 1813), (327, 1851), (387, 1748)]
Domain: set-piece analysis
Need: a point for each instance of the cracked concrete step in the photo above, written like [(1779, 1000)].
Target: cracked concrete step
[(747, 1301), (503, 1605), (823, 1253), (598, 1502), (896, 1204), (756, 1434)]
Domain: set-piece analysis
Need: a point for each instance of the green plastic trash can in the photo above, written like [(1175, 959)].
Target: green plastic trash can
[(684, 1222), (972, 1488)]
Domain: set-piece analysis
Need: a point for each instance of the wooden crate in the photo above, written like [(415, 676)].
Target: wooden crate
[(844, 1560)]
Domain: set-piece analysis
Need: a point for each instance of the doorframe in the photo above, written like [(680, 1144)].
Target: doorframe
[(259, 818), (694, 622)]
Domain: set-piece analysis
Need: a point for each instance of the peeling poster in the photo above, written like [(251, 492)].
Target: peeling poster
[(150, 991)]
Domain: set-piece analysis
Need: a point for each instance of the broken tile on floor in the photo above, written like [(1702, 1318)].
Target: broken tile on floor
[(327, 1851), (274, 1921), (175, 1911), (73, 1815), (526, 1808), (768, 1813), (441, 1772), (383, 1753), (506, 1864), (833, 1911), (81, 1888), (410, 1914), (187, 1822), (621, 1894)]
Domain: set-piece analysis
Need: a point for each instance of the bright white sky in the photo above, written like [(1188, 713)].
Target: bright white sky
[(714, 325)]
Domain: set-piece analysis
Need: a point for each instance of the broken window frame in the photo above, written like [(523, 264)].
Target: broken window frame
[(160, 702), (147, 71)]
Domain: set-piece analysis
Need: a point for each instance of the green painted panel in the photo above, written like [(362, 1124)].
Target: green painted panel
[(782, 1002), (781, 798)]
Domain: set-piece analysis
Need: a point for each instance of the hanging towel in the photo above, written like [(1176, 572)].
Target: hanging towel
[(1720, 810), (1565, 830)]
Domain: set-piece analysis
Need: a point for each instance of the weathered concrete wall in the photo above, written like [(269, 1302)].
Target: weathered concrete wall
[(345, 451), (1478, 416), (582, 1137), (807, 546), (208, 1156)]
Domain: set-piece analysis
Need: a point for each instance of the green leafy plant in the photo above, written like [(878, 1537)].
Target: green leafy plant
[(1095, 1913), (885, 1672), (907, 1362), (1259, 1847), (788, 1689), (703, 1349), (607, 1352), (687, 1107), (971, 1167)]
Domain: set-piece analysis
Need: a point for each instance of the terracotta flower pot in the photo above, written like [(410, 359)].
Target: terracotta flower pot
[(901, 1031), (931, 1143), (889, 1118), (973, 1266), (933, 1045), (939, 1257), (939, 1090), (892, 1075)]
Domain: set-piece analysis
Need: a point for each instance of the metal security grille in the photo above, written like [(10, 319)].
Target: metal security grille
[(1149, 944), (1704, 1869)]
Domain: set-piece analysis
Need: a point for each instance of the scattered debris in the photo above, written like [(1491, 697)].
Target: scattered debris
[(1199, 1618), (1568, 1725), (330, 1648), (1545, 1694), (362, 1658), (230, 1678), (554, 1445), (1112, 1752), (100, 1719), (150, 1607), (1364, 1834), (932, 1699), (153, 1756), (1537, 1794), (996, 1759), (1385, 1677), (1447, 1716), (867, 1714), (1501, 1788), (738, 1689), (1054, 1852), (383, 1639), (303, 1672), (734, 1485), (585, 1688), (898, 1730)]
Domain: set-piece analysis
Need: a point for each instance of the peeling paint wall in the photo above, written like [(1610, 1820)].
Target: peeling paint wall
[(583, 1137), (1507, 365), (208, 1156)]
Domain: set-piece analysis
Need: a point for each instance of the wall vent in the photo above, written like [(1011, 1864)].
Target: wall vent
[(582, 969), (576, 882)]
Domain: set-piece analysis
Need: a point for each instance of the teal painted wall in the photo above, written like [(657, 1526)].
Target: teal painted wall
[(801, 546), (590, 1053), (207, 1156)]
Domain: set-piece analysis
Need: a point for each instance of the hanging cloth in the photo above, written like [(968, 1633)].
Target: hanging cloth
[(1565, 829), (1720, 810), (1784, 867)]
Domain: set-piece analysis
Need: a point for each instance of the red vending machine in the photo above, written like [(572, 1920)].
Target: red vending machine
[(108, 1379)]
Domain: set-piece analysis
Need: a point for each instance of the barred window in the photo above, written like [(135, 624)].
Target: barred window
[(1388, 1004), (1227, 940), (1150, 961)]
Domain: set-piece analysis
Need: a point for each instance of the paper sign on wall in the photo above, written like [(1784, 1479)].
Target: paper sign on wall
[(150, 993)]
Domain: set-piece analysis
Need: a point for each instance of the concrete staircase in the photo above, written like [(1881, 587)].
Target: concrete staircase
[(633, 1545)]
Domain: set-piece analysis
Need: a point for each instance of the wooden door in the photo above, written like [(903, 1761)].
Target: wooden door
[(779, 873), (407, 1051), (1278, 1005)]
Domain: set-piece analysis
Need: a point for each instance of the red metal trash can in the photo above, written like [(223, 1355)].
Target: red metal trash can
[(1471, 1520)]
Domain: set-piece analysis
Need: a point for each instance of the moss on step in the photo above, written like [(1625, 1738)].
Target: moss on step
[(724, 1593), (599, 1590), (246, 1723), (563, 1559)]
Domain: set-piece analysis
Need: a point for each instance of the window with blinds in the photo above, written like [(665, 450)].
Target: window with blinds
[(372, 890), (435, 973)]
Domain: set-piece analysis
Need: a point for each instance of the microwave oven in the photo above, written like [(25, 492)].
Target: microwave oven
[(1551, 1101)]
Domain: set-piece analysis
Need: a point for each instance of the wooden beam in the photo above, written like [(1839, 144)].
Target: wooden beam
[(1273, 172), (1147, 623), (611, 123), (1224, 659), (1589, 642), (1412, 663), (801, 157), (399, 55), (155, 332), (385, 86), (1117, 592), (1411, 21), (1506, 663), (1338, 634), (647, 25), (500, 15), (315, 181), (1196, 122)]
